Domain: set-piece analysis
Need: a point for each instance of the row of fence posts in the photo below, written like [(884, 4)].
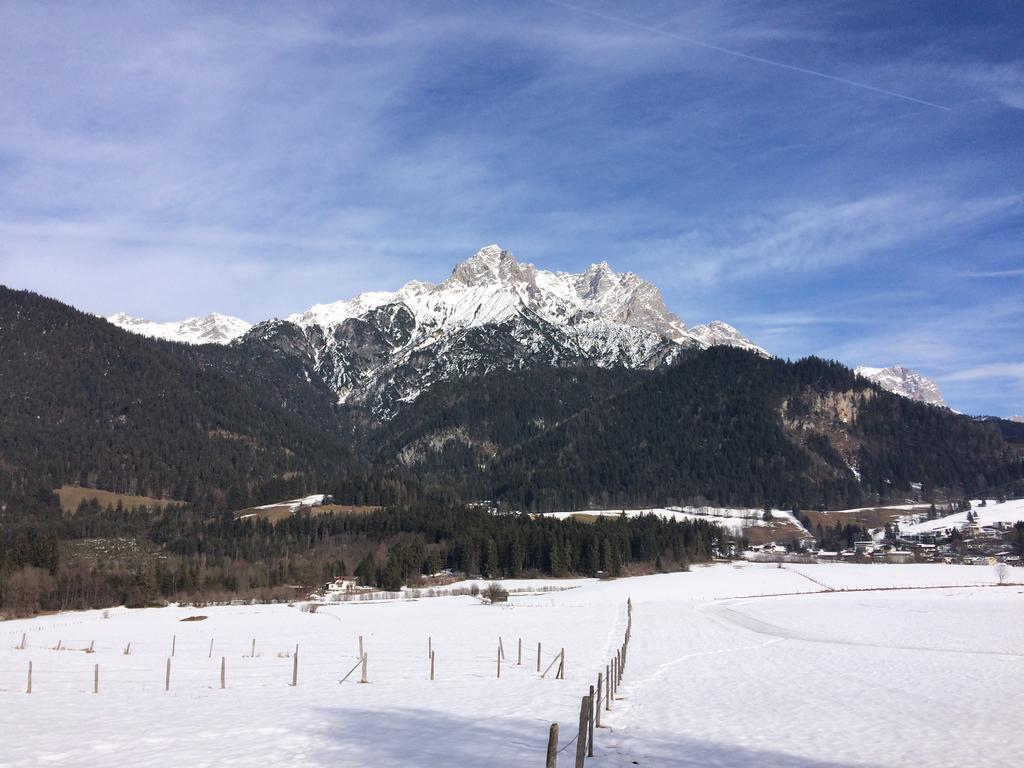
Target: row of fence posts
[(590, 705), (363, 662), (559, 659)]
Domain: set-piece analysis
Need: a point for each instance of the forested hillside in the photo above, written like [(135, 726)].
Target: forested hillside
[(85, 402), (82, 401), (722, 426), (221, 428)]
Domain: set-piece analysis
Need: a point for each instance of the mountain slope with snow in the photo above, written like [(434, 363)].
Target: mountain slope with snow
[(212, 329), (719, 334), (904, 382)]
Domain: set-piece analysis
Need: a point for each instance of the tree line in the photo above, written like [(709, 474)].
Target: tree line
[(52, 561)]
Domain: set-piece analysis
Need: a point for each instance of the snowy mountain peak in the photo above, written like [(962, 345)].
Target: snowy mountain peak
[(492, 264), (215, 328), (599, 273), (493, 312), (904, 382)]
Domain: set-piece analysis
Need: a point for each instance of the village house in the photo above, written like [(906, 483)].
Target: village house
[(341, 584)]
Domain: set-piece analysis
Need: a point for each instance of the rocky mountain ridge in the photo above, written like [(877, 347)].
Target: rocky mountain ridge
[(215, 328), (383, 348), (905, 382), (492, 313)]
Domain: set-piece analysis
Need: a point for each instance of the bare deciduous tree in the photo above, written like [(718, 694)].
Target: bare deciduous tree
[(1002, 572)]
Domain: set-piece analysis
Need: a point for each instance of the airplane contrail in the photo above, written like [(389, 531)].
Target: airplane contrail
[(747, 56)]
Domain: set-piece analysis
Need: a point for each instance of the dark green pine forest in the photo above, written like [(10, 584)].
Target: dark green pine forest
[(218, 429)]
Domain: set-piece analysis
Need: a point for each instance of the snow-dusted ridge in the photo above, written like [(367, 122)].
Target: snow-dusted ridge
[(493, 312), (905, 382), (215, 328), (492, 287)]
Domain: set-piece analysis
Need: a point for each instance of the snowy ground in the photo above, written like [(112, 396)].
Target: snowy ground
[(734, 519), (718, 676), (993, 512)]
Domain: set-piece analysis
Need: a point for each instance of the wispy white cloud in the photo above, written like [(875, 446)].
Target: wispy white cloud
[(990, 371), (995, 273), (815, 235), (1003, 81)]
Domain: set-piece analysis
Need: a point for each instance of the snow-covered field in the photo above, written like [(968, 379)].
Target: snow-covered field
[(730, 665), (734, 519), (993, 512)]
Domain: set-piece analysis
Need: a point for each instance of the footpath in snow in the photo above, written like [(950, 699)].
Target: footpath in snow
[(729, 665)]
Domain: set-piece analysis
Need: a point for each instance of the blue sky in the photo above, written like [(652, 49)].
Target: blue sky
[(840, 179)]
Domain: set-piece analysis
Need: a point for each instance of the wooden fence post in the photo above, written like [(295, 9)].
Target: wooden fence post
[(499, 659), (92, 646), (501, 648), (295, 667), (430, 646), (360, 646), (600, 683), (431, 665), (128, 649), (96, 679), (28, 688), (174, 643), (561, 666), (538, 657), (252, 653), (222, 664), (22, 646), (167, 676), (364, 679), (519, 654), (581, 736), (210, 654), (552, 761), (590, 723)]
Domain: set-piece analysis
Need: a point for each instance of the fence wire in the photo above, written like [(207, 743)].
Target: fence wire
[(571, 742)]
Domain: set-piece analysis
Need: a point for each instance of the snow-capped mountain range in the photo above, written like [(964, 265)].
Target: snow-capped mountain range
[(493, 312), (905, 382)]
